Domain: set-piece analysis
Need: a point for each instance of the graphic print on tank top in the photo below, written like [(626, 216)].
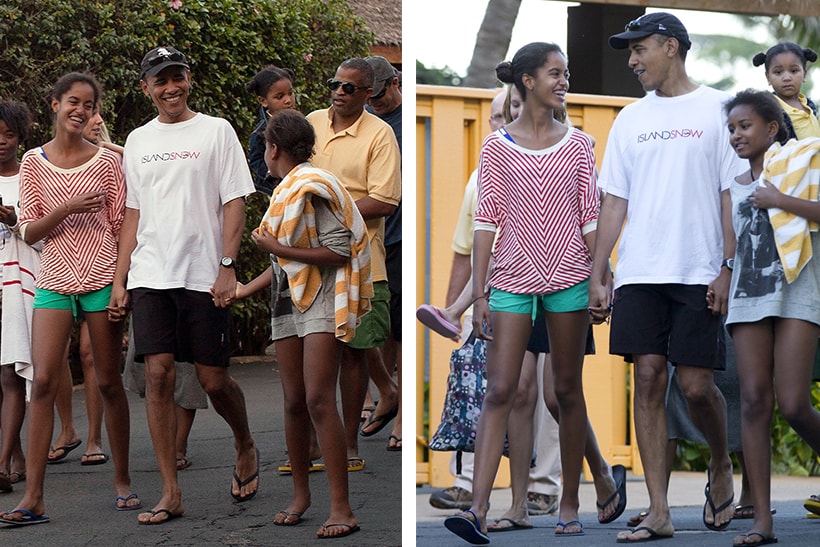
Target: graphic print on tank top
[(761, 271)]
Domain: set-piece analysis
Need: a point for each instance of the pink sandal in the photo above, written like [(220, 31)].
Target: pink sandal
[(432, 318)]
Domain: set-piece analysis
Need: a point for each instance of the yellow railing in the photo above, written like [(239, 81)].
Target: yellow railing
[(450, 125)]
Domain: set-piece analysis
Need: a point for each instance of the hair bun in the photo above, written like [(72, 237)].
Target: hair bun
[(504, 72), (759, 59), (810, 55)]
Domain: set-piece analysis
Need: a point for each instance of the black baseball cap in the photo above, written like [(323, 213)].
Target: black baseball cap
[(160, 58), (649, 24)]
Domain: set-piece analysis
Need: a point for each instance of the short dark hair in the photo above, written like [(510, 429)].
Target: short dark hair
[(357, 63), (805, 55), (292, 133), (260, 84), (64, 84), (765, 105), (527, 60), (18, 118)]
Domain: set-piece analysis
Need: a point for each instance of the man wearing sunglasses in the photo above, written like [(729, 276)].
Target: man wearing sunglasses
[(668, 163), (361, 150)]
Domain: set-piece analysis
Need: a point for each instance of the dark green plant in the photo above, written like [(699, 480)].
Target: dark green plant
[(226, 41)]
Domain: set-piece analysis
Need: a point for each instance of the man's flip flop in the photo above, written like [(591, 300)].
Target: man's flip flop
[(28, 518), (66, 448), (715, 510), (95, 458), (653, 536), (467, 528), (619, 474), (125, 499), (431, 317), (239, 497)]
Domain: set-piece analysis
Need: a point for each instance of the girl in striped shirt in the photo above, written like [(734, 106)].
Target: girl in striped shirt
[(537, 190), (72, 197)]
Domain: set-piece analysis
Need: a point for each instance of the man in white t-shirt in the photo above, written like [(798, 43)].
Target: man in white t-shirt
[(667, 170), (187, 178)]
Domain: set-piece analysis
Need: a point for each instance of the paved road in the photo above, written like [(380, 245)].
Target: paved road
[(791, 525), (80, 500)]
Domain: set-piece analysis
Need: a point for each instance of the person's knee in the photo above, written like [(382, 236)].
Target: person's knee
[(500, 393), (215, 381), (699, 390)]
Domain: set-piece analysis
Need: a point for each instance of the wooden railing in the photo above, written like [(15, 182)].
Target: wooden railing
[(450, 126)]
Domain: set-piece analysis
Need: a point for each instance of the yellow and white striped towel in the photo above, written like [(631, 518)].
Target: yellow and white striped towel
[(290, 218), (794, 169)]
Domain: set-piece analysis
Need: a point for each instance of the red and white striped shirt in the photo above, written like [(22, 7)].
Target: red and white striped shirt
[(541, 202), (80, 254)]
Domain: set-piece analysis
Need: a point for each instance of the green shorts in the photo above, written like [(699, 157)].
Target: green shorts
[(573, 298), (88, 302), (375, 325)]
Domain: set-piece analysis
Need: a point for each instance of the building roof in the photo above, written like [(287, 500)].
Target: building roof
[(383, 18)]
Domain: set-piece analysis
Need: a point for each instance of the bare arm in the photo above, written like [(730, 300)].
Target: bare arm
[(482, 246), (90, 202), (768, 196), (717, 294), (610, 222), (320, 256), (459, 276), (127, 242), (233, 223), (373, 208)]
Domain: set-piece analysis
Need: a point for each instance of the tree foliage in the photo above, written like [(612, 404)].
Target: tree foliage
[(226, 42)]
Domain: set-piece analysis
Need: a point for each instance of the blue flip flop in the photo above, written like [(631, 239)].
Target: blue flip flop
[(619, 474), (467, 528), (564, 525), (125, 500), (28, 518)]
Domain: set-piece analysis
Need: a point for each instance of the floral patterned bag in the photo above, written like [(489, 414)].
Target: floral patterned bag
[(466, 385)]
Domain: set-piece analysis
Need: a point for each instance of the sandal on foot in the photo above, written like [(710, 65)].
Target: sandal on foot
[(291, 519), (286, 468), (95, 458), (812, 505), (564, 525), (183, 463), (393, 444), (28, 518), (239, 497), (17, 476), (169, 516), (351, 528), (653, 536), (710, 503), (508, 528), (355, 464), (125, 500), (762, 541), (619, 474), (66, 448), (467, 528)]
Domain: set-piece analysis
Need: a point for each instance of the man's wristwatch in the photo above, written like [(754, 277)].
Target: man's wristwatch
[(227, 262), (729, 263)]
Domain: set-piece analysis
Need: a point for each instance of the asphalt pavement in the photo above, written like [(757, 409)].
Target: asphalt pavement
[(686, 498), (80, 499)]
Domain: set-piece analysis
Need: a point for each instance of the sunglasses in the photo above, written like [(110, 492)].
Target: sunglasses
[(381, 93), (638, 25), (347, 87), (164, 57)]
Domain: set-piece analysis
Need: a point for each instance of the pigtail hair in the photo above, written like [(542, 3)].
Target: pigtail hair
[(760, 59), (810, 55)]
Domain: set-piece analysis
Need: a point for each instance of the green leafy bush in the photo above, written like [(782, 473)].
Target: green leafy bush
[(226, 42)]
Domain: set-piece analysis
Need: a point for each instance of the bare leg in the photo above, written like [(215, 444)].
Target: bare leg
[(106, 343), (505, 355), (353, 379), (12, 414), (50, 331), (650, 430), (68, 433), (708, 411), (520, 435), (321, 368), (185, 421), (160, 378), (567, 335), (93, 399), (290, 354), (392, 354), (229, 402), (388, 391)]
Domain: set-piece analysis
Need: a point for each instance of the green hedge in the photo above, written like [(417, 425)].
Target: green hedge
[(226, 41)]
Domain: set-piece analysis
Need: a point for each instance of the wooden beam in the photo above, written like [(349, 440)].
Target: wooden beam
[(802, 8)]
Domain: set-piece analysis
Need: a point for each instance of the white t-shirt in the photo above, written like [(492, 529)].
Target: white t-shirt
[(10, 192), (179, 176), (670, 158)]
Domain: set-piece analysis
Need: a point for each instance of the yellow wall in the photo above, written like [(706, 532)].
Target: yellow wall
[(450, 126)]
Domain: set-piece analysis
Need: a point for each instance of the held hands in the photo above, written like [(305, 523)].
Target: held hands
[(90, 202), (765, 196), (600, 301), (224, 289), (119, 304), (717, 293)]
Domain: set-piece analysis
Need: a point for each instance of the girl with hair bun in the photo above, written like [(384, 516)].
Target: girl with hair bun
[(537, 190), (786, 64)]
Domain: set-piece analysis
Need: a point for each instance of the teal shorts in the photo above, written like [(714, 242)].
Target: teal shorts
[(88, 302), (571, 299)]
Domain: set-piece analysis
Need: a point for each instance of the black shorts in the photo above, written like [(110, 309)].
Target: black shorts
[(539, 341), (666, 319), (185, 323), (393, 262)]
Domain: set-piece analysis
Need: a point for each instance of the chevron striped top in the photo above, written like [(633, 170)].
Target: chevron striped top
[(541, 202), (80, 254)]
